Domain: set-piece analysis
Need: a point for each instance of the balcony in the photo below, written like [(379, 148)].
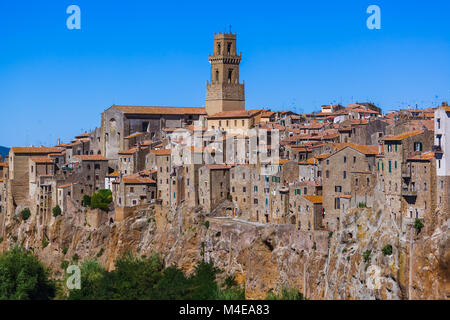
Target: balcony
[(437, 149), (409, 193), (406, 172)]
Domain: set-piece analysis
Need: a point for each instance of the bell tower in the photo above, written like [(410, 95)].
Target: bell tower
[(224, 93)]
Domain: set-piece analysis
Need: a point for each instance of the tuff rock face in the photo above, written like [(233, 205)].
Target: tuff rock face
[(261, 257)]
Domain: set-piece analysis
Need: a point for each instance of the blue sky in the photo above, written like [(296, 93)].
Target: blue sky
[(298, 55)]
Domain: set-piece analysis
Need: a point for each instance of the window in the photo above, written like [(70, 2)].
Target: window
[(345, 159), (305, 191), (354, 159), (327, 174), (255, 188), (229, 48), (217, 75), (438, 123), (338, 188), (345, 174), (417, 146), (131, 189), (356, 181), (244, 189), (337, 203), (232, 189), (425, 186), (390, 166), (395, 164), (395, 148), (230, 75), (255, 201)]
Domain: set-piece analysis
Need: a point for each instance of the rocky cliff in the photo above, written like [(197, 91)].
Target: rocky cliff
[(349, 264)]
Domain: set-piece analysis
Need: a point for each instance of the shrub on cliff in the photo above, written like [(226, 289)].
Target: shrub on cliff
[(286, 294), (56, 211), (387, 250), (86, 201), (23, 277), (418, 224), (25, 214), (101, 199)]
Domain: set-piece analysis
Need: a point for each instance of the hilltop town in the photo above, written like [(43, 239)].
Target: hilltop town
[(255, 167)]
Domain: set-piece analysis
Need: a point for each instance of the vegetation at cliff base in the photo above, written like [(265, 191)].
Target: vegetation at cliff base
[(285, 294), (101, 199), (147, 279), (23, 277)]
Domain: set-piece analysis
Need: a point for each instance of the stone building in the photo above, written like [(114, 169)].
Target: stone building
[(224, 93), (442, 151), (214, 185), (133, 160), (393, 169), (338, 181), (19, 174), (133, 190), (241, 188), (419, 186), (240, 120), (119, 122), (163, 161)]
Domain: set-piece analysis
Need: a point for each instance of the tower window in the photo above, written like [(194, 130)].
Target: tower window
[(229, 48), (217, 75), (230, 74), (218, 48)]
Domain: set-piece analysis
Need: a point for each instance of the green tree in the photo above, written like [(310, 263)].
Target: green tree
[(25, 214), (286, 294), (387, 250), (94, 283), (203, 280), (23, 277), (418, 224), (56, 211), (101, 199), (86, 201)]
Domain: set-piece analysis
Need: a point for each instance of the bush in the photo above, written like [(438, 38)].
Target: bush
[(366, 255), (86, 201), (362, 205), (75, 257), (207, 224), (23, 277), (1, 239), (56, 211), (25, 214), (286, 294), (387, 250), (418, 224), (100, 253), (44, 242), (101, 199), (64, 264), (64, 250)]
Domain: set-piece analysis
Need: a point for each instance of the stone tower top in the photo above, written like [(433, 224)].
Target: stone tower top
[(224, 93)]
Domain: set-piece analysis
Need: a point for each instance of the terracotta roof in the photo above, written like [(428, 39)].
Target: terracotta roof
[(218, 166), (159, 110), (162, 152), (345, 196), (423, 156), (136, 134), (35, 150), (447, 109), (92, 157), (267, 114), (4, 164), (403, 135), (137, 180), (114, 174), (314, 199), (365, 149), (65, 186), (41, 160), (195, 128), (132, 151), (83, 135), (235, 114)]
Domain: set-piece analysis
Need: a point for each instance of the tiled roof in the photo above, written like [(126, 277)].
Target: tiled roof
[(114, 174), (35, 150), (235, 114), (421, 157), (365, 149), (136, 134), (314, 199), (41, 160), (84, 135), (132, 150), (218, 166), (159, 110), (65, 186), (137, 180), (162, 152), (403, 135), (92, 157)]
